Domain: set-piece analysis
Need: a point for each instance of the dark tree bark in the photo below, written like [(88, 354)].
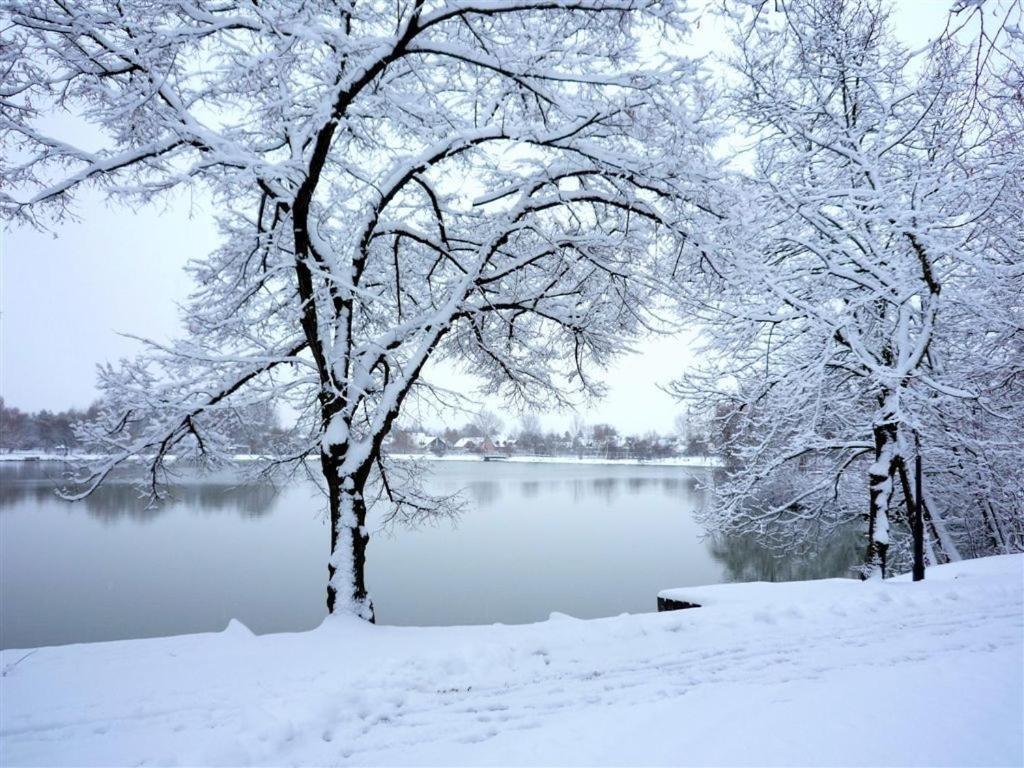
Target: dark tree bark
[(918, 527)]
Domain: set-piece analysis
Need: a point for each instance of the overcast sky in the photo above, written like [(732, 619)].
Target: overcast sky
[(65, 295)]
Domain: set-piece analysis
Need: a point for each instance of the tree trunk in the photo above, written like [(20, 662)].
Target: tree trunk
[(346, 581), (880, 478), (933, 517), (930, 556), (918, 526), (992, 526)]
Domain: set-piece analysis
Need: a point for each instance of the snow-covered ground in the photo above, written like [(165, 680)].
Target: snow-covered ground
[(817, 673)]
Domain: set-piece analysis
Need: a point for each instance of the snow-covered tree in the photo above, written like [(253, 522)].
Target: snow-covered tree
[(863, 303), (474, 179), (487, 422)]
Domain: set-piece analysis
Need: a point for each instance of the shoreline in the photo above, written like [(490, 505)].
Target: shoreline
[(692, 462)]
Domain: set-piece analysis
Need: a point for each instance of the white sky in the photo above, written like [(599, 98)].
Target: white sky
[(65, 295)]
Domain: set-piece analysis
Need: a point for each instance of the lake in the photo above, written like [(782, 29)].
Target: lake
[(586, 540)]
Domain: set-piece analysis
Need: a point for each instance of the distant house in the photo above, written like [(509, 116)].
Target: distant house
[(437, 445), (506, 444), (468, 444), (404, 441)]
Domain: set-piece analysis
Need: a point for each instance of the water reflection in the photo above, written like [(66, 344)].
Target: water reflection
[(23, 483), (745, 558), (122, 497), (586, 540), (483, 492), (605, 487), (489, 492)]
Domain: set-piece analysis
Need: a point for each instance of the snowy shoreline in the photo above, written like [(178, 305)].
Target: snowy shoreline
[(831, 672), (696, 462)]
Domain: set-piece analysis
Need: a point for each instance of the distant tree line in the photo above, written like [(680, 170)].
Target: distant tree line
[(256, 429), (40, 430), (485, 432), (253, 429)]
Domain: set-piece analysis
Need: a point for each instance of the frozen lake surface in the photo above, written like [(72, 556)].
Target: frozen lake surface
[(586, 540)]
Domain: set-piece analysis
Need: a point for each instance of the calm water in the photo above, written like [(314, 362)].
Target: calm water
[(535, 538)]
